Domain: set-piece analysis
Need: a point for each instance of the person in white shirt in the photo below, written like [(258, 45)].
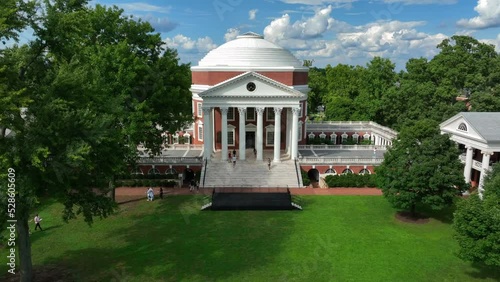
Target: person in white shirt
[(37, 220), (150, 194)]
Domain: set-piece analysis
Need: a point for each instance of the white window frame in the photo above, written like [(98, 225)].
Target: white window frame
[(254, 114), (269, 112), (355, 137), (345, 136), (231, 110), (270, 129), (322, 135), (187, 137), (311, 135), (333, 138), (155, 170), (175, 139), (199, 109), (200, 134), (231, 129)]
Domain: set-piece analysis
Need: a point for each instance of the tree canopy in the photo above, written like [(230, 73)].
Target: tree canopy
[(422, 167), (477, 223), (77, 100)]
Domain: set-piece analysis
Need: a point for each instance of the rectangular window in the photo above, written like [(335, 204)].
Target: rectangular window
[(230, 114), (230, 138), (300, 131), (200, 110), (270, 114), (270, 138), (200, 132), (250, 113)]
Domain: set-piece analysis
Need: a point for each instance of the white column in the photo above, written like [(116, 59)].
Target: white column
[(277, 134), (242, 129), (288, 132), (468, 163), (260, 129), (295, 132), (223, 111), (484, 170), (207, 133)]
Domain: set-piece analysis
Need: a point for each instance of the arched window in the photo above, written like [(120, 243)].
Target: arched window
[(311, 135), (171, 171), (331, 171), (347, 171), (153, 171), (322, 135), (462, 127), (137, 171), (333, 137), (364, 171)]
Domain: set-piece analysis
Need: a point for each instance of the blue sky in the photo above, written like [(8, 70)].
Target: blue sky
[(327, 31)]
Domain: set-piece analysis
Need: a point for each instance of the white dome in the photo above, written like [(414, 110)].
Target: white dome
[(250, 50)]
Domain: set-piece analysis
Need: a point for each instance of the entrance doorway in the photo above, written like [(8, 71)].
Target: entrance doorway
[(250, 139)]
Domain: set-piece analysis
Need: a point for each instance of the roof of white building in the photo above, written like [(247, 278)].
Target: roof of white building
[(484, 124), (250, 50)]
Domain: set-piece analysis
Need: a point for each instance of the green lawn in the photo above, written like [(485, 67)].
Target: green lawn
[(336, 238)]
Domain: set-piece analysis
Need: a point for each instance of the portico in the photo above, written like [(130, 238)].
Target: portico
[(231, 109), (477, 136)]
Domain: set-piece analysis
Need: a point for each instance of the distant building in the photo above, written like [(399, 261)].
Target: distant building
[(478, 136), (250, 96)]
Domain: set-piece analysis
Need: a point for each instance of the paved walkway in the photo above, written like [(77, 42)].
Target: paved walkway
[(141, 191)]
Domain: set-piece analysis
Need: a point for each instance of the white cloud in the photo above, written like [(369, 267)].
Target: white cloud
[(495, 42), (252, 14), (312, 27), (186, 44), (489, 15), (317, 2), (160, 24), (422, 2), (231, 34), (143, 7)]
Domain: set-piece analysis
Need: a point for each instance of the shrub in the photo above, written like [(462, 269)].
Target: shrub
[(351, 180), (305, 178)]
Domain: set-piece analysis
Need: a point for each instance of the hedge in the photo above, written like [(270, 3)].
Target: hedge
[(351, 180)]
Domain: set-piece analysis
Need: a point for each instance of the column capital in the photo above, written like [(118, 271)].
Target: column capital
[(242, 110), (487, 153), (296, 111), (277, 110), (206, 110), (224, 110), (259, 110), (469, 147)]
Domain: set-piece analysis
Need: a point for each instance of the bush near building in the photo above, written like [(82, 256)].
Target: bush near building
[(351, 180)]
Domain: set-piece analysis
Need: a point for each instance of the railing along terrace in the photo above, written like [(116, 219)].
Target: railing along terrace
[(348, 125), (169, 160), (235, 189), (342, 147), (350, 161)]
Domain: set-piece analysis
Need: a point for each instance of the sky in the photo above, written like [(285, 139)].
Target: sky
[(326, 31)]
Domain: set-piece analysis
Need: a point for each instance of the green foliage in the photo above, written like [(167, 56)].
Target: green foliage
[(422, 167), (305, 178), (351, 180), (477, 223)]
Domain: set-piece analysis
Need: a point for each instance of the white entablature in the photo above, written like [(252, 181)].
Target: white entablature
[(251, 89)]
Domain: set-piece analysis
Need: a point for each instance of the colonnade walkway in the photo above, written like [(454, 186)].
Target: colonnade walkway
[(251, 173)]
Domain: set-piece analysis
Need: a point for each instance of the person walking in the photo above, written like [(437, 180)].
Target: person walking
[(234, 160), (269, 163), (150, 193), (161, 192), (37, 220), (229, 157)]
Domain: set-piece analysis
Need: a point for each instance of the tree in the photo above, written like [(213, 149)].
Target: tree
[(422, 167), (80, 97), (477, 223)]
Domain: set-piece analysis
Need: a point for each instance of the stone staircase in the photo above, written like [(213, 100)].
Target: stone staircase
[(251, 173)]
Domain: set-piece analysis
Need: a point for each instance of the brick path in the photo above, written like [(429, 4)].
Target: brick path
[(141, 191)]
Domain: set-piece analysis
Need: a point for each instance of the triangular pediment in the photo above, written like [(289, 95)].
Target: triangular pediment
[(460, 126), (251, 84)]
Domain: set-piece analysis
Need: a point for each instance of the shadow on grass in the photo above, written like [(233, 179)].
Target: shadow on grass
[(444, 215), (482, 271), (172, 240)]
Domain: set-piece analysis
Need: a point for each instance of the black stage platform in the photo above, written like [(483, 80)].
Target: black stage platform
[(252, 199)]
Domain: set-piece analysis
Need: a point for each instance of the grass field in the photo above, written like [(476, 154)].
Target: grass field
[(336, 238)]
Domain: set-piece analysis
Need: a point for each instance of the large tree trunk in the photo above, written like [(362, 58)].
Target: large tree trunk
[(24, 245)]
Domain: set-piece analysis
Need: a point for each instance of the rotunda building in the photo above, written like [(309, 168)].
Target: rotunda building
[(249, 95)]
